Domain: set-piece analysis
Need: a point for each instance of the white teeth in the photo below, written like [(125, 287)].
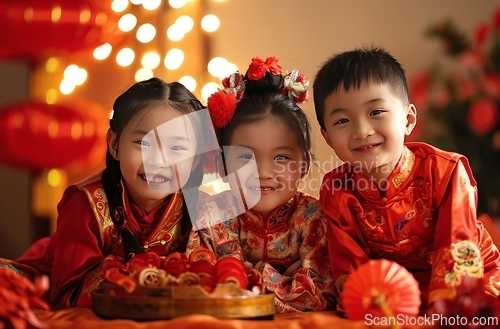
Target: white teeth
[(366, 147), (154, 179), (262, 189)]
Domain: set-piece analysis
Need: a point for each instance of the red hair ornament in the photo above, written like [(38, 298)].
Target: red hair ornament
[(222, 103)]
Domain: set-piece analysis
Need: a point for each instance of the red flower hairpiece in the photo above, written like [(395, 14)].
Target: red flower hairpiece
[(258, 67), (295, 86), (222, 104)]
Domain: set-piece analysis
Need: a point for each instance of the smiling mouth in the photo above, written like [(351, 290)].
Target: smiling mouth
[(262, 188), (158, 179), (367, 147)]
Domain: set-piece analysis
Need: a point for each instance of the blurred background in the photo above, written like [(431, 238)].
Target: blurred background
[(62, 64)]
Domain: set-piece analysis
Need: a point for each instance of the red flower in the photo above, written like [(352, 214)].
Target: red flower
[(258, 67), (481, 34), (419, 86), (491, 84), (482, 116), (496, 19)]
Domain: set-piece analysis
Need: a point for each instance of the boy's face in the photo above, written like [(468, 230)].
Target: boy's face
[(366, 127)]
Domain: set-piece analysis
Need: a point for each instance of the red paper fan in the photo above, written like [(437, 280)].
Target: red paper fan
[(381, 288)]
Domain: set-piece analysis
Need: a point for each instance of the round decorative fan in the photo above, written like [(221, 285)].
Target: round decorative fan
[(381, 288)]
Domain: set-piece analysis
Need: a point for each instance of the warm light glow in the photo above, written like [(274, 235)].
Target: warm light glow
[(210, 23), (127, 22), (66, 87), (119, 5), (71, 72), (52, 129), (177, 3), (51, 96), (151, 60), (136, 2), (175, 33), (76, 130), (85, 16), (185, 23), (217, 67), (189, 82), (54, 177), (125, 57), (102, 52), (151, 4), (51, 65), (143, 74), (208, 90), (28, 14), (174, 59), (101, 18), (226, 70), (56, 14), (146, 33), (81, 76)]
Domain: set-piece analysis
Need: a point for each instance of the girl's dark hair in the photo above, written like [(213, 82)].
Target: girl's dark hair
[(264, 99), (141, 97)]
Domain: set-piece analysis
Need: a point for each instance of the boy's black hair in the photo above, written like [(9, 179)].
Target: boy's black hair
[(353, 68)]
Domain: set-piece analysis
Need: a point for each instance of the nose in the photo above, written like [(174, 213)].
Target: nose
[(362, 129), (265, 169), (157, 158)]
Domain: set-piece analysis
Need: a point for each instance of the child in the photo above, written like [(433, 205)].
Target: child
[(283, 235), (135, 204), (407, 202)]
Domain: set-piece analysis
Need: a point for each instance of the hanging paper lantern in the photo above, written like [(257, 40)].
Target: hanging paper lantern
[(36, 136), (483, 116), (35, 29), (95, 159), (381, 288)]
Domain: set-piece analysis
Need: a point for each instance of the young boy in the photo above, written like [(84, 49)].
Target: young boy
[(407, 202)]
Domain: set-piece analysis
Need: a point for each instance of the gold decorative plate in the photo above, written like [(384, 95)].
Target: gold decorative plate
[(148, 303)]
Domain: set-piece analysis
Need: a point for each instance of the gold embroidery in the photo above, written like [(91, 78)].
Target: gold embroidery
[(99, 204), (409, 161)]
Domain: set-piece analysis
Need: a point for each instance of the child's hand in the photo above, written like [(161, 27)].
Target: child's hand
[(259, 266)]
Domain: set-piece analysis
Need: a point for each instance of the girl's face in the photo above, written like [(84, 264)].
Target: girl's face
[(156, 151), (264, 163)]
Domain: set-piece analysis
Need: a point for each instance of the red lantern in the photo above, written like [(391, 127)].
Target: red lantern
[(35, 135), (34, 29), (482, 116)]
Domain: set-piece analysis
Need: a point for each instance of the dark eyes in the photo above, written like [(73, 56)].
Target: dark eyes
[(341, 121), (372, 113), (251, 157), (376, 112), (173, 148)]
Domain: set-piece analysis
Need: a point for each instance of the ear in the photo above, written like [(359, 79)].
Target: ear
[(326, 137), (112, 144), (411, 118)]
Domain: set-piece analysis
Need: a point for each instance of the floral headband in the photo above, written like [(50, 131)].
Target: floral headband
[(222, 103)]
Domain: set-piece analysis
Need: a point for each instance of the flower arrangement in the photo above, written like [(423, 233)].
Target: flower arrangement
[(459, 99)]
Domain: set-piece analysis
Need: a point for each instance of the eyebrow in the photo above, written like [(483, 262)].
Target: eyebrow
[(340, 110), (178, 137), (274, 149)]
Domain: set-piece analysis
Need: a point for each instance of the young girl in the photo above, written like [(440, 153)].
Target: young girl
[(135, 204), (283, 235)]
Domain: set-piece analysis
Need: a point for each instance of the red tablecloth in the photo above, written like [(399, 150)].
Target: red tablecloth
[(76, 318)]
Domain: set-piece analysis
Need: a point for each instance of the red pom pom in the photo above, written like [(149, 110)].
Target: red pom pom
[(221, 107)]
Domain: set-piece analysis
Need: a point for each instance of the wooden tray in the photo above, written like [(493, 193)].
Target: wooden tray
[(147, 303)]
